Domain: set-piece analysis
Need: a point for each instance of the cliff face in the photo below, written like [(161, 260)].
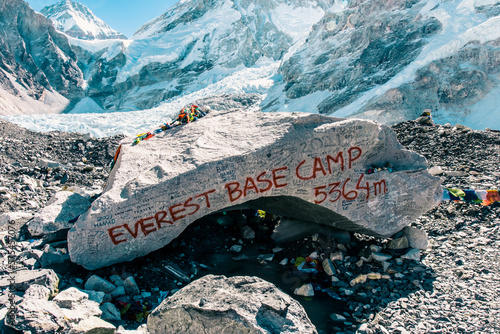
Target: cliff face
[(390, 60), (196, 43), (34, 58)]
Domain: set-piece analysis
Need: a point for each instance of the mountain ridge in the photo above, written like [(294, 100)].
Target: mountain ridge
[(77, 20)]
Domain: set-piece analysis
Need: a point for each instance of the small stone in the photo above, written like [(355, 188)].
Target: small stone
[(110, 312), (362, 329), (284, 262), (314, 255), (337, 256), (51, 256), (97, 283), (247, 232), (416, 238), (436, 170), (236, 248), (93, 325), (348, 292), (116, 279), (374, 276), (119, 291), (96, 296), (70, 298), (277, 249), (36, 291), (385, 265), (305, 290), (380, 257), (337, 317), (399, 243), (413, 254), (342, 248), (131, 286), (358, 280), (266, 257), (328, 267)]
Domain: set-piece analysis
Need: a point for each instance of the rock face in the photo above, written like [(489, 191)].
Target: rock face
[(35, 59), (413, 58), (241, 304), (193, 39), (347, 54), (303, 166)]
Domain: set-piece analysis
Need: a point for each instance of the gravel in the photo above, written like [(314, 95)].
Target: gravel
[(453, 288)]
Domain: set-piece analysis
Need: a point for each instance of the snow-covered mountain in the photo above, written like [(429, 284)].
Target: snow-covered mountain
[(385, 60), (76, 20), (390, 60), (196, 43), (38, 69)]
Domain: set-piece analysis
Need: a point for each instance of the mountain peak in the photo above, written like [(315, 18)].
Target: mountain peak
[(77, 20)]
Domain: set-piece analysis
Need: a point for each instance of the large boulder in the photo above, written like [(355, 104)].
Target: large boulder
[(304, 166), (241, 304)]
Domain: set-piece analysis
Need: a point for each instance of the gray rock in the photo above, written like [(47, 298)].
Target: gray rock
[(38, 316), (116, 280), (241, 304), (236, 248), (305, 290), (266, 257), (337, 317), (97, 283), (247, 233), (62, 208), (131, 286), (380, 257), (143, 329), (436, 170), (110, 312), (16, 220), (328, 267), (70, 298), (398, 243), (25, 278), (413, 254), (337, 256), (96, 296), (53, 256), (417, 238), (119, 291), (36, 291), (274, 174), (93, 325)]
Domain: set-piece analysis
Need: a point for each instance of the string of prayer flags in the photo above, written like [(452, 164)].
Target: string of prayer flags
[(485, 197), (186, 115)]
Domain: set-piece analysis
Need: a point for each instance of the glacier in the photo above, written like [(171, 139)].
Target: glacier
[(361, 58)]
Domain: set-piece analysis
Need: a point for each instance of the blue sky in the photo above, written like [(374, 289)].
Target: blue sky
[(125, 16)]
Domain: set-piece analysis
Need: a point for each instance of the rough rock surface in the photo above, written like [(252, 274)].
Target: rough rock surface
[(240, 304), (346, 54), (35, 57), (454, 289), (300, 165)]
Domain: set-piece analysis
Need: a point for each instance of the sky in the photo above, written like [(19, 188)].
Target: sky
[(125, 16)]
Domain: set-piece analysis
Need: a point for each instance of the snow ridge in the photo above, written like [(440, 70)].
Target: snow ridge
[(76, 20)]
